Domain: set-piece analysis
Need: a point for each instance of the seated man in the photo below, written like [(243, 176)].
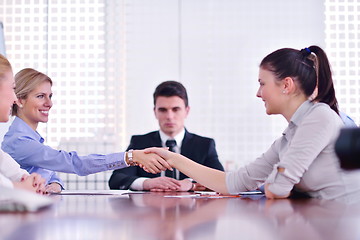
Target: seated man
[(171, 109)]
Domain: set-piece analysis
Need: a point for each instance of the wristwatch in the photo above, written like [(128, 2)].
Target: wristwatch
[(192, 189), (193, 185), (129, 158)]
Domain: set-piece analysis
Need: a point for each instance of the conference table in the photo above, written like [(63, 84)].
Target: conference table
[(149, 215)]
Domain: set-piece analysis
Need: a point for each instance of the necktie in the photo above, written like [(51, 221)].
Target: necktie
[(171, 144)]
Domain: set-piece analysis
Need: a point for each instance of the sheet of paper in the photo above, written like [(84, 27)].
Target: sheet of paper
[(94, 192), (251, 193), (256, 192), (182, 196), (215, 195)]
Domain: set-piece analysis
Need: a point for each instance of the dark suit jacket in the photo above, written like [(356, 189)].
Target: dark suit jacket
[(199, 149)]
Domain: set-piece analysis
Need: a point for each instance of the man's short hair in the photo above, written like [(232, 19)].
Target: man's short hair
[(170, 89)]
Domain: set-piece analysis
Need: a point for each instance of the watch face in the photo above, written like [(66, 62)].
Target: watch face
[(130, 158)]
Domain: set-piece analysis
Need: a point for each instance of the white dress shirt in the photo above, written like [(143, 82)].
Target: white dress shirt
[(138, 183)]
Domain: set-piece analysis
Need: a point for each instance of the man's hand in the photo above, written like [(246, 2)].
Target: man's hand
[(199, 187), (160, 184), (185, 185), (166, 184), (53, 188)]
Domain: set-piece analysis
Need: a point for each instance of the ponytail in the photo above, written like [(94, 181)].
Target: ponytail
[(325, 84), (309, 67)]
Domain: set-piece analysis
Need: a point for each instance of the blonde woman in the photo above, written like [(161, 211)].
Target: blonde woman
[(34, 93), (11, 175)]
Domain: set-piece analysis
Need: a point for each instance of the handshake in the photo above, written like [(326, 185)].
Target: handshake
[(155, 160), (152, 160)]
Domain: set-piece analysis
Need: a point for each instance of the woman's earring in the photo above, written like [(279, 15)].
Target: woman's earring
[(20, 105), (284, 91)]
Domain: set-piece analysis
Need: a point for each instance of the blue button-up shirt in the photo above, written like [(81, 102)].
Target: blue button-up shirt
[(26, 146)]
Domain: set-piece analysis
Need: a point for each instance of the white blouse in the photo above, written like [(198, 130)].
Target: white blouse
[(9, 170)]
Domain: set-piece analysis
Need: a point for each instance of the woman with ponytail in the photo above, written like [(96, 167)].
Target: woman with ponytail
[(296, 84)]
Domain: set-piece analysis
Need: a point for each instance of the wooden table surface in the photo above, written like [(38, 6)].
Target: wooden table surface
[(158, 216)]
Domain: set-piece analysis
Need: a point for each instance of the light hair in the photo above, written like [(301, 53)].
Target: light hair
[(5, 66), (26, 81)]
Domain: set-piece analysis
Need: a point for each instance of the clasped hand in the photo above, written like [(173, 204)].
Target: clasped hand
[(33, 182), (152, 160), (166, 184)]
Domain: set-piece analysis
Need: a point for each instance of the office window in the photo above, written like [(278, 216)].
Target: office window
[(343, 49), (68, 40), (107, 57)]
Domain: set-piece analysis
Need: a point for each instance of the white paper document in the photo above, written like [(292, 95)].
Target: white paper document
[(94, 192)]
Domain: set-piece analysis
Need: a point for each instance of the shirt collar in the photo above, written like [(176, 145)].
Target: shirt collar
[(298, 116), (178, 138), (20, 125), (300, 112)]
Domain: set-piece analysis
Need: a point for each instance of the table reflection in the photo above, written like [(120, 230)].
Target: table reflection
[(165, 216)]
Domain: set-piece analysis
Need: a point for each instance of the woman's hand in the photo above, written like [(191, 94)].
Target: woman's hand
[(151, 162), (33, 182), (170, 157), (162, 152), (211, 178), (53, 188)]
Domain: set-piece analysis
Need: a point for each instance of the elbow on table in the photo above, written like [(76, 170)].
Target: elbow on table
[(222, 189), (271, 195)]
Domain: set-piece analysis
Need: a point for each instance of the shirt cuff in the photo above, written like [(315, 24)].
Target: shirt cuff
[(138, 184), (115, 161), (279, 182), (124, 160), (58, 182)]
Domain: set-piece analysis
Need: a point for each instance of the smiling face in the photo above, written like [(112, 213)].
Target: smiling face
[(171, 114), (7, 95), (271, 92), (36, 106)]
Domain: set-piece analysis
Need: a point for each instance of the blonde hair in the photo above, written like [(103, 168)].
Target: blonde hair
[(26, 81), (5, 66)]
